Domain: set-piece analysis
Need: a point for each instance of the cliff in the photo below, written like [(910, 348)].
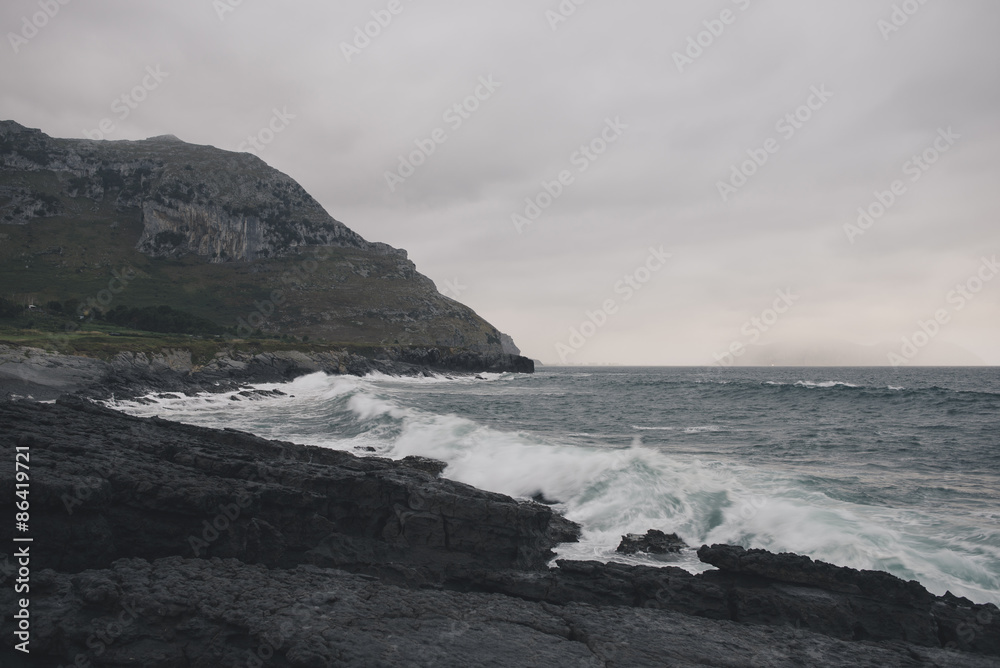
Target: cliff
[(218, 234)]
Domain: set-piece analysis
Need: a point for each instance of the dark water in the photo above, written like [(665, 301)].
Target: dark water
[(873, 468)]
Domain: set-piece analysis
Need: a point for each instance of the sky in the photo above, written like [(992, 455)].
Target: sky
[(633, 182)]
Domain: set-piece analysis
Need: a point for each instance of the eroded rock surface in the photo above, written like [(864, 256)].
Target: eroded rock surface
[(108, 486), (163, 544), (222, 613)]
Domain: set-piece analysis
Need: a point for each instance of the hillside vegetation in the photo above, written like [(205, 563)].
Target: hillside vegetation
[(132, 227)]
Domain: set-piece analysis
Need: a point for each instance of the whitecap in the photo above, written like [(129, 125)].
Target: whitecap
[(823, 384)]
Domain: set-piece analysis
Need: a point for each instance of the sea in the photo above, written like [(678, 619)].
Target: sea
[(874, 468)]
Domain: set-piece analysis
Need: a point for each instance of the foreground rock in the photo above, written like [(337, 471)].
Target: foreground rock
[(220, 613), (163, 544), (861, 605), (100, 477), (43, 376)]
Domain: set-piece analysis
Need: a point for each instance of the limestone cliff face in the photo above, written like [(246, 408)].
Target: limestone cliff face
[(508, 345), (203, 230), (215, 233)]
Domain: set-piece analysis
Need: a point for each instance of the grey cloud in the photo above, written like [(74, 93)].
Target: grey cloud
[(656, 186)]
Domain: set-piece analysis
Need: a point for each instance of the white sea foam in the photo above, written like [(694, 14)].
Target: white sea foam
[(613, 491), (823, 384), (702, 430), (379, 377)]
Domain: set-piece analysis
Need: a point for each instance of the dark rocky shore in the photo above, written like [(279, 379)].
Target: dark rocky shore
[(163, 544), (43, 376)]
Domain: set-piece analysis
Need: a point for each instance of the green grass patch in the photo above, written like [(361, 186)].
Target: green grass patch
[(104, 341)]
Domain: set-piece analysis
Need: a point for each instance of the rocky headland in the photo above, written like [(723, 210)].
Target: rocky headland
[(163, 544), (100, 225)]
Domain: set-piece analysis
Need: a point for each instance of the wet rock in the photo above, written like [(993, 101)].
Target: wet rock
[(538, 497), (261, 394), (433, 466), (848, 603), (652, 542), (861, 606), (223, 612), (101, 475)]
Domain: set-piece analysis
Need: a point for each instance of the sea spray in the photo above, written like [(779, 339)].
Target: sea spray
[(768, 460)]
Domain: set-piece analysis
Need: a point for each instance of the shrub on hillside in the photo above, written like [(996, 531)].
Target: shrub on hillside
[(162, 319), (9, 309)]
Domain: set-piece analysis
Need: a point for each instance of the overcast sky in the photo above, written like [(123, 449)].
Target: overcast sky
[(834, 98)]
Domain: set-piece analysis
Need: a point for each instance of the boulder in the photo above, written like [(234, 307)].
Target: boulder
[(652, 542)]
